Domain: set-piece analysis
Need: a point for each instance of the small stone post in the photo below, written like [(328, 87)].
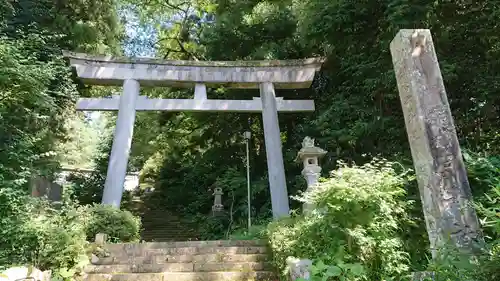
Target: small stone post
[(298, 268), (441, 175), (423, 276), (101, 238), (217, 208), (309, 155)]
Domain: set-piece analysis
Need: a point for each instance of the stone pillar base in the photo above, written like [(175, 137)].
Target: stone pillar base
[(298, 268), (423, 276)]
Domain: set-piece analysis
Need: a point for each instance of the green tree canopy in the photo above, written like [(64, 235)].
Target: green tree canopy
[(37, 92), (358, 113)]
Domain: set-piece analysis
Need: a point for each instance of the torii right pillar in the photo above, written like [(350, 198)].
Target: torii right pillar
[(441, 174)]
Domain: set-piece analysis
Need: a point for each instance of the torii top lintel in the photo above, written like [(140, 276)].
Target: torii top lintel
[(106, 70)]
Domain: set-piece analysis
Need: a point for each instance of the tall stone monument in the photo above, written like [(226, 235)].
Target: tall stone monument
[(441, 174)]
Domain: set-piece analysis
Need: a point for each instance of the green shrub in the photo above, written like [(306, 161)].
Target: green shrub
[(18, 237), (34, 233), (359, 212), (484, 178), (119, 225), (62, 239), (210, 227), (340, 271), (255, 232)]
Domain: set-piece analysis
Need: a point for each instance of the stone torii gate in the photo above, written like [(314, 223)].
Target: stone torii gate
[(131, 73)]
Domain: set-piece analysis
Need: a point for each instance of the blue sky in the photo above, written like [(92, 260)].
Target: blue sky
[(140, 37)]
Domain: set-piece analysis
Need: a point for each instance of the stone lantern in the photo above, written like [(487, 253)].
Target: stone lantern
[(217, 208), (309, 156)]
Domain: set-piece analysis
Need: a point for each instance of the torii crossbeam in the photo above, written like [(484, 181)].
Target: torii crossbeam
[(264, 75), (176, 105)]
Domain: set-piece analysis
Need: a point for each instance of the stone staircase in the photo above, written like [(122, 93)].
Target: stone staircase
[(162, 226), (182, 261)]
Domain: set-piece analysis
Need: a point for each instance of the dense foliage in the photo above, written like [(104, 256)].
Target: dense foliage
[(361, 214), (361, 221), (358, 117), (118, 225), (358, 112), (39, 127), (34, 232), (37, 92), (185, 155)]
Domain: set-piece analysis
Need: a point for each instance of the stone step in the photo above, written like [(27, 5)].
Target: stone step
[(178, 267), (181, 244), (162, 234), (162, 225), (213, 258), (184, 276), (162, 222), (161, 259), (167, 232), (161, 216), (161, 230), (168, 238), (156, 227), (144, 252)]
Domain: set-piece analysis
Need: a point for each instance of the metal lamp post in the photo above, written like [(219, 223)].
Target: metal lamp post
[(247, 136)]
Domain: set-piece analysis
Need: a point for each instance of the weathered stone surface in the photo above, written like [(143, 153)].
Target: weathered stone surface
[(192, 105), (232, 266), (197, 260), (42, 187), (160, 225), (154, 251), (122, 142), (183, 276), (298, 268), (138, 252), (239, 74), (214, 243), (174, 258), (146, 60), (123, 259), (233, 250), (423, 276), (274, 153), (95, 260), (309, 156), (140, 268), (218, 206), (101, 238), (219, 276), (211, 258), (441, 175), (32, 273), (125, 277)]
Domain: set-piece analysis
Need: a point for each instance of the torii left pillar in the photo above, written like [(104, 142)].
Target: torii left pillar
[(122, 141)]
